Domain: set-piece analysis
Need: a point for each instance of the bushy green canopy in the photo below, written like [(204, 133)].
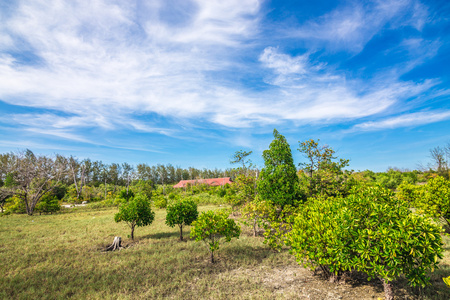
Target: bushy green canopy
[(369, 231), (181, 213), (211, 226), (278, 181), (135, 212)]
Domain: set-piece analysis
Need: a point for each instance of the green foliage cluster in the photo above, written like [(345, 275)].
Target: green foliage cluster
[(245, 186), (432, 199), (160, 201), (323, 173), (181, 213), (392, 178), (15, 205), (369, 231), (126, 195), (49, 204), (278, 182), (206, 198), (211, 227), (135, 212)]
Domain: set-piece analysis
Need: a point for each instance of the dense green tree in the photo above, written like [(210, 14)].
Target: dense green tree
[(181, 213), (136, 212), (278, 181)]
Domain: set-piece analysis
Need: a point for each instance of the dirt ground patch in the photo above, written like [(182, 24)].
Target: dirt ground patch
[(295, 282)]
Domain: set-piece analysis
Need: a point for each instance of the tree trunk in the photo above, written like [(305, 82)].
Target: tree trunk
[(254, 227), (212, 257), (388, 293), (132, 232), (116, 245), (181, 232)]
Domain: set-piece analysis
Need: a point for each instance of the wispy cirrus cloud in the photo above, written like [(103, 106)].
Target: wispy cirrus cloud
[(405, 120), (353, 24)]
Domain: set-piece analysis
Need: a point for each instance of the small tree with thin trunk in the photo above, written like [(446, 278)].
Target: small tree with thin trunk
[(136, 212), (211, 226), (181, 213)]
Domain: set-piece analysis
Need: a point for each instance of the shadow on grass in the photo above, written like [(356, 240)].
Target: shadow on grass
[(163, 235), (246, 253), (437, 288)]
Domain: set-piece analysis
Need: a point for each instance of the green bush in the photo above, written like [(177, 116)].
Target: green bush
[(48, 204), (205, 198), (409, 192), (160, 201), (434, 198), (211, 227), (369, 231), (15, 205), (136, 212), (181, 213), (105, 203)]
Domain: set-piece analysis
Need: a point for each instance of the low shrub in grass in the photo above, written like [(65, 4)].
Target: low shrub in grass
[(15, 205), (369, 231), (206, 198), (181, 213), (160, 201), (212, 226), (105, 203)]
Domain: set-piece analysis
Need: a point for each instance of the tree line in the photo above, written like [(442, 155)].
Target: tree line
[(31, 177)]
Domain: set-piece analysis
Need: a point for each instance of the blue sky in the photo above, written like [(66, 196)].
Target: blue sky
[(191, 82)]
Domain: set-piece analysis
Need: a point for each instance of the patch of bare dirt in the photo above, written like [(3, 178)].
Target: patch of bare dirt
[(295, 282)]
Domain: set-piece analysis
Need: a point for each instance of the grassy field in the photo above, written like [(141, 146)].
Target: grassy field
[(60, 256)]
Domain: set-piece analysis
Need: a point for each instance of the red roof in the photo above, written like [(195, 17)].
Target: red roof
[(210, 182)]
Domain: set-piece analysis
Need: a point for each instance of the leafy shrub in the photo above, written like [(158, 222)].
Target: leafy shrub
[(205, 198), (211, 227), (255, 212), (181, 213), (409, 193), (160, 201), (105, 203), (136, 212), (434, 198), (15, 205), (369, 231), (48, 204)]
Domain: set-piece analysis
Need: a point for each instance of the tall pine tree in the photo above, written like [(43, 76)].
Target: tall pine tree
[(278, 182)]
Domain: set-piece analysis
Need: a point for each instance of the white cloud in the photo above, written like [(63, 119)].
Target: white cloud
[(406, 120), (104, 63), (283, 64), (350, 27)]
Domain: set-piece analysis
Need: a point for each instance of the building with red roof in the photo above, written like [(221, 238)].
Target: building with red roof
[(211, 182)]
